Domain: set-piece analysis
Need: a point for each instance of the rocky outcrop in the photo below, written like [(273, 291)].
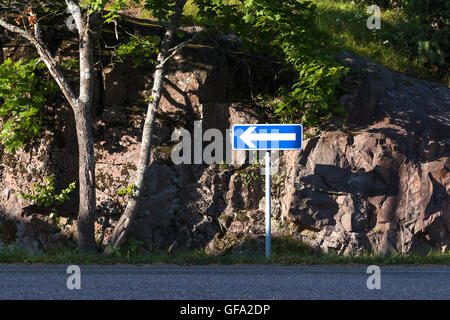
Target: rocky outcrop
[(376, 181), (381, 181)]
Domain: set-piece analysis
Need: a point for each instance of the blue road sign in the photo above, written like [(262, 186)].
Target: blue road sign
[(267, 136)]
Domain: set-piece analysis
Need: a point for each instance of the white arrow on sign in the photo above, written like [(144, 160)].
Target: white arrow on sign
[(248, 136)]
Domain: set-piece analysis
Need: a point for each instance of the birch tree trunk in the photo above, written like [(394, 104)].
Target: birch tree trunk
[(125, 221), (83, 125), (86, 176)]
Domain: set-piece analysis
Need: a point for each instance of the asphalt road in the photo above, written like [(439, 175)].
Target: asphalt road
[(223, 282)]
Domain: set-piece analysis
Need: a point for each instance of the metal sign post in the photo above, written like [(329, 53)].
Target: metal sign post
[(268, 205), (267, 137)]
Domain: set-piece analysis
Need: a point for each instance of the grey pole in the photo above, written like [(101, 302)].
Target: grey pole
[(268, 205)]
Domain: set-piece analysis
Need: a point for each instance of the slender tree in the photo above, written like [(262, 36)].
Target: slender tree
[(125, 221), (27, 26)]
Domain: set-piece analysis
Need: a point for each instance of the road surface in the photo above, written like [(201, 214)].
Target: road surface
[(223, 282)]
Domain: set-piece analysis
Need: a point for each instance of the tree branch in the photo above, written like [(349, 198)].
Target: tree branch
[(75, 11), (177, 48)]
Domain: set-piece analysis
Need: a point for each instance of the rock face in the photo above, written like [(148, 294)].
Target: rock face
[(182, 203), (378, 181), (381, 181)]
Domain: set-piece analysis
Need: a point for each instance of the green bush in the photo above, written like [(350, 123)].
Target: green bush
[(22, 97), (290, 29), (140, 50), (44, 195)]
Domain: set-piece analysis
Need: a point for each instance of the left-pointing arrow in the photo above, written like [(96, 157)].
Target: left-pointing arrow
[(249, 136)]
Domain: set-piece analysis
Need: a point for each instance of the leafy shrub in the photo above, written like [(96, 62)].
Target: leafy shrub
[(128, 192), (71, 64), (22, 96), (312, 97), (290, 29), (140, 50), (220, 16), (44, 195)]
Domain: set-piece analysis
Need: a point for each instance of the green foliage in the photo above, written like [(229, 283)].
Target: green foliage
[(392, 46), (114, 8), (140, 50), (431, 22), (128, 191), (247, 178), (94, 5), (220, 16), (289, 30), (71, 64), (133, 247), (44, 195), (312, 97), (422, 29), (160, 9), (386, 4), (22, 96), (286, 31)]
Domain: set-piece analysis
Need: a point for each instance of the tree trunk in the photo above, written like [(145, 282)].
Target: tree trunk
[(133, 206), (86, 177), (83, 122)]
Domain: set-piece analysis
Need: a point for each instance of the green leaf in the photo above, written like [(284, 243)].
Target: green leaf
[(249, 18)]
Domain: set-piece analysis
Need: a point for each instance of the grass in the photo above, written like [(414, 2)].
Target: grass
[(190, 12), (345, 23), (284, 252)]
